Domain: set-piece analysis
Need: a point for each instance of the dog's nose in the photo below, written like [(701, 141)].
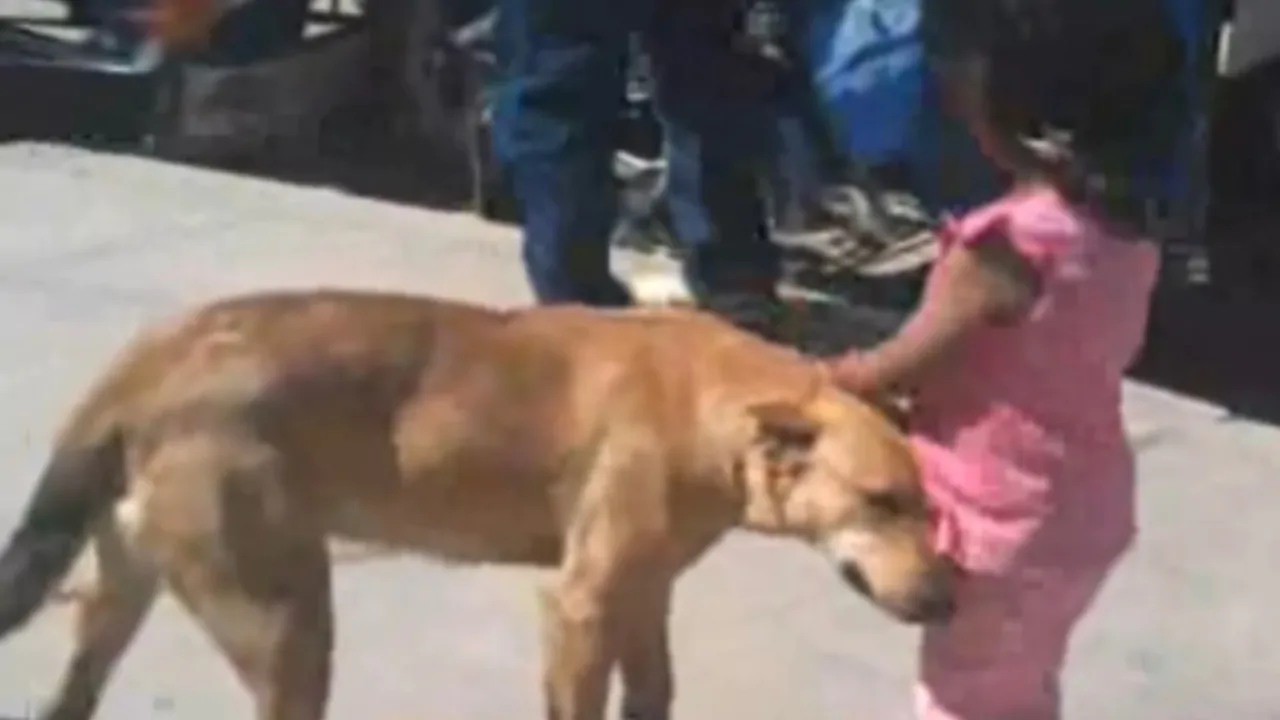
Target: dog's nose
[(934, 606), (934, 602)]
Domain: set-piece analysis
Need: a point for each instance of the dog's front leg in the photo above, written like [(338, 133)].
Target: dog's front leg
[(616, 571), (645, 652), (579, 650)]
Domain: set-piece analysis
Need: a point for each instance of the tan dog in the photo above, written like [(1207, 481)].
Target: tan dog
[(219, 453)]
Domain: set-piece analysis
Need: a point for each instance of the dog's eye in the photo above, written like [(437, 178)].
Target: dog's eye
[(887, 503), (897, 504)]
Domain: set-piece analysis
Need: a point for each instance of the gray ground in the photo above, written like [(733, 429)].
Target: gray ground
[(93, 246)]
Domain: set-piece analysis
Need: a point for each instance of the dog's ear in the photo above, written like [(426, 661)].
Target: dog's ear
[(780, 454), (785, 426)]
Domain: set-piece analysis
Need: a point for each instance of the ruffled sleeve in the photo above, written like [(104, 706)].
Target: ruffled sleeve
[(1034, 224)]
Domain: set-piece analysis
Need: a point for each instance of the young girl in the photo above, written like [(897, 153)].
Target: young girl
[(1015, 356)]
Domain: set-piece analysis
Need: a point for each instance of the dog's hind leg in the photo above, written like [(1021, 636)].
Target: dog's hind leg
[(279, 639), (244, 558), (109, 610)]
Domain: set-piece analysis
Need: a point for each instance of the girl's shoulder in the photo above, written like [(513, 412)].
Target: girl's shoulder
[(1034, 220), (1059, 238), (1040, 216), (1044, 211)]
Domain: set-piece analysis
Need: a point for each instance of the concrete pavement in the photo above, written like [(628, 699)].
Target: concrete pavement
[(92, 246)]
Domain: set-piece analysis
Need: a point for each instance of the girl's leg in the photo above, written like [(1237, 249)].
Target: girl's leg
[(1000, 658)]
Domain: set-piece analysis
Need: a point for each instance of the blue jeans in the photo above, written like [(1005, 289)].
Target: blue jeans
[(806, 157), (556, 125)]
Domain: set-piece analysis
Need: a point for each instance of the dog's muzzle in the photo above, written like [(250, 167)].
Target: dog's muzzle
[(931, 602)]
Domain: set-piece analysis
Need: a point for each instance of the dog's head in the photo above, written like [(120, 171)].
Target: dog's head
[(835, 472)]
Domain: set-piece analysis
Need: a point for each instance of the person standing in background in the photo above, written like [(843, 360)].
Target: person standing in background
[(556, 126)]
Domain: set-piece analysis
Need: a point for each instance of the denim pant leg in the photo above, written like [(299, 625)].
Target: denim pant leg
[(798, 171), (555, 122), (718, 139)]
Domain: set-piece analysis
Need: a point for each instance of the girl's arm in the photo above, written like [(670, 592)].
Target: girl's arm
[(983, 282)]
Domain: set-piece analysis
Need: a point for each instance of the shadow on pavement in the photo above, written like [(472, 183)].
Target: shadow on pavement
[(353, 151), (355, 154), (1221, 342), (830, 326), (1218, 348)]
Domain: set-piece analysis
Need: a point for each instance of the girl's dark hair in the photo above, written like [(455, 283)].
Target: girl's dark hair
[(1108, 74)]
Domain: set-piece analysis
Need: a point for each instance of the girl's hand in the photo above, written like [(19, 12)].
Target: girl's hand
[(850, 373), (986, 283)]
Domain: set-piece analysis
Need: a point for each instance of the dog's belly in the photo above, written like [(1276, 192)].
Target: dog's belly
[(453, 525), (458, 478)]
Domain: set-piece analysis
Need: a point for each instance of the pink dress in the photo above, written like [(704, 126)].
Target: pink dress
[(1027, 462)]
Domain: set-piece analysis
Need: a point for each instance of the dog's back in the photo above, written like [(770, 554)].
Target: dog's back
[(413, 422), (419, 423)]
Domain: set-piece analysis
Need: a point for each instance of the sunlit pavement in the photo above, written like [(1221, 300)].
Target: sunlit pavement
[(92, 246)]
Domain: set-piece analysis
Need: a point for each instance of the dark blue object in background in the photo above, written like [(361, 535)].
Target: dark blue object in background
[(868, 63)]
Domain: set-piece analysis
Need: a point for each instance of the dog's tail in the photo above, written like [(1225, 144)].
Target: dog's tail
[(81, 481)]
